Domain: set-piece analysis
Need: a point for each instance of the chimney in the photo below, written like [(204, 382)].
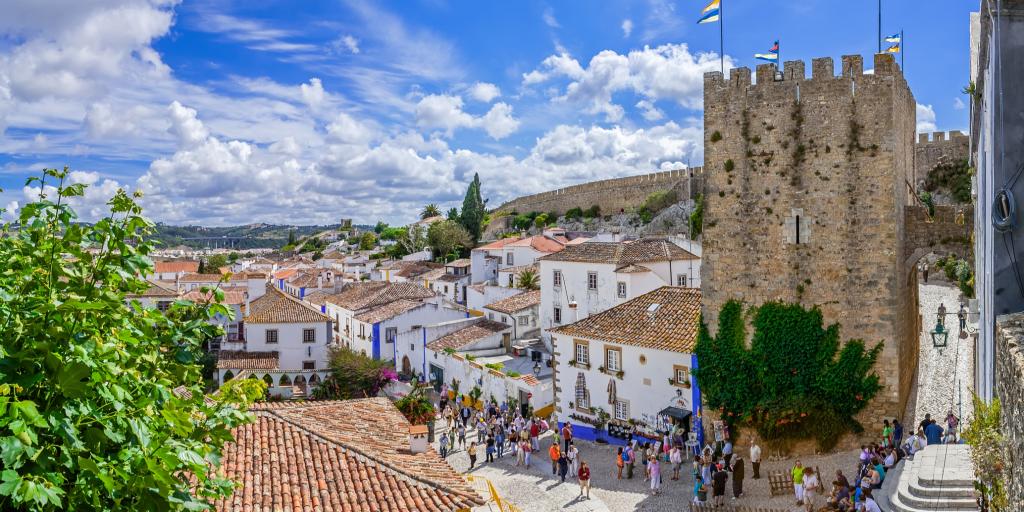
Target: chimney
[(417, 438), (319, 281), (246, 295)]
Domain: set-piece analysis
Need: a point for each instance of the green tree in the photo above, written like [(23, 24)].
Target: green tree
[(291, 237), (215, 262), (233, 257), (89, 419), (414, 239), (447, 236), (430, 210), (392, 233), (697, 218), (541, 221), (473, 209), (989, 447), (529, 280), (353, 375), (793, 381), (416, 406), (367, 241), (453, 214)]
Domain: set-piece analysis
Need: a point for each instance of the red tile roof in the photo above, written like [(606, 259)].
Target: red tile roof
[(161, 267), (672, 326), (242, 360), (230, 296), (541, 243), (623, 253), (498, 244), (516, 303), (349, 456), (156, 290), (358, 296), (277, 307), (391, 310)]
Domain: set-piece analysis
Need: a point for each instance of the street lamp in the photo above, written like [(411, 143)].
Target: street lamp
[(940, 335), (536, 368)]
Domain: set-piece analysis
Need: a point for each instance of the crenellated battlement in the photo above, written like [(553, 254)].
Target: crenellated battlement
[(952, 136), (822, 69)]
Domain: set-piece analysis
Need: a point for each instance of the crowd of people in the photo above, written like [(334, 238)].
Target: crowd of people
[(507, 432), (503, 432)]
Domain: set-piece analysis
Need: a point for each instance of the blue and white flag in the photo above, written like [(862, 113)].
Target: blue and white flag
[(710, 13), (895, 38)]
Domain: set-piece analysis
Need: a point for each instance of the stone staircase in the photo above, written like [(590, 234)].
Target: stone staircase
[(939, 479)]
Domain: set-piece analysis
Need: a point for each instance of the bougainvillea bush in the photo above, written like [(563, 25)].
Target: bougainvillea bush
[(792, 381)]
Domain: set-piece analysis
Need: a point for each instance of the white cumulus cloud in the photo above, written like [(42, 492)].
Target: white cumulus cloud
[(444, 112), (484, 92), (313, 93), (666, 72), (627, 27), (925, 119)]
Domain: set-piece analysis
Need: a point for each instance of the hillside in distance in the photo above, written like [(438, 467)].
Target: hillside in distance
[(249, 236)]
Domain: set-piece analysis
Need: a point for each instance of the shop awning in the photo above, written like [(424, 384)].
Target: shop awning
[(675, 412)]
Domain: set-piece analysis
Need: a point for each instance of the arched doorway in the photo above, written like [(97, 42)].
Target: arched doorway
[(300, 384), (406, 365)]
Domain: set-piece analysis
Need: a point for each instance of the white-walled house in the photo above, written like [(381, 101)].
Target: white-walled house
[(519, 312), (509, 276), (452, 285), (480, 295), (464, 355), (254, 282), (633, 361), (591, 277), (282, 337), (369, 316), (489, 259)]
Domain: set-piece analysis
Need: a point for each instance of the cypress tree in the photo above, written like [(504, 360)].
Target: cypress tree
[(473, 209)]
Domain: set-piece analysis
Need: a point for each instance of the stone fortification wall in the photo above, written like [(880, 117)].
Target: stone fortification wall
[(1010, 390), (611, 195), (941, 148), (948, 231), (805, 196)]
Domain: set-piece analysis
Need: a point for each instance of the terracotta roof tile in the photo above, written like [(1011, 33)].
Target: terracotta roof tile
[(535, 267), (672, 326), (632, 268), (162, 267), (277, 307), (459, 263), (390, 310), (541, 243), (623, 253), (194, 277), (516, 302), (349, 456), (467, 335), (156, 290), (230, 296), (498, 244), (242, 360)]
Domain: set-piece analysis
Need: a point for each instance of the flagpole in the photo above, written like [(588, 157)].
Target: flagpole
[(879, 26), (903, 51), (721, 35)]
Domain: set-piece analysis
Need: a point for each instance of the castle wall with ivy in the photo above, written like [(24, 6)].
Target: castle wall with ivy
[(941, 148), (1010, 391), (805, 195)]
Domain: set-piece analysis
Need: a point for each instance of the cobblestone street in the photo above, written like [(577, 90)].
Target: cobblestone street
[(940, 371)]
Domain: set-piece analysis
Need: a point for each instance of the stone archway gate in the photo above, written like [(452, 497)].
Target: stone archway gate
[(947, 232)]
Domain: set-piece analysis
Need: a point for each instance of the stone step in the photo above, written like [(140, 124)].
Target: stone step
[(896, 504)]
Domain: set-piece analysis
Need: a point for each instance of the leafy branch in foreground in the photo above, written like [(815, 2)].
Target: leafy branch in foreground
[(89, 419)]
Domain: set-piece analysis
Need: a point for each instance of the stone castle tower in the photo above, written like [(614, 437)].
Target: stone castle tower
[(808, 181)]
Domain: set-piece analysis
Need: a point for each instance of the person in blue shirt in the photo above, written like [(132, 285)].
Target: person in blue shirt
[(628, 458), (933, 432)]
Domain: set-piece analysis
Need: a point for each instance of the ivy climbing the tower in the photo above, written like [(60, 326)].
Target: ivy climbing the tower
[(793, 382)]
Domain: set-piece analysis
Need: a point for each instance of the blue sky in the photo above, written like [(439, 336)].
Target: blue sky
[(227, 112)]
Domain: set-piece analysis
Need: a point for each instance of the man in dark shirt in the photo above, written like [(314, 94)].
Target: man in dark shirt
[(926, 421), (718, 485)]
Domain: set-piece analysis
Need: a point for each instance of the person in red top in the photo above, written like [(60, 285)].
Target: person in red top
[(566, 435), (584, 476), (534, 433)]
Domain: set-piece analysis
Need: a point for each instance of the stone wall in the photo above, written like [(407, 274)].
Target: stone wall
[(948, 231), (940, 149), (805, 196), (1010, 391), (611, 195)]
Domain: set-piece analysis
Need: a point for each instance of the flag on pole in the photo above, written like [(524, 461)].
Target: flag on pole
[(893, 49), (771, 56), (710, 14), (895, 38)]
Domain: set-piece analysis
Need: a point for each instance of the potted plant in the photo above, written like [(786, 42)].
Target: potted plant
[(417, 408), (453, 390), (619, 374), (572, 362), (600, 369)]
